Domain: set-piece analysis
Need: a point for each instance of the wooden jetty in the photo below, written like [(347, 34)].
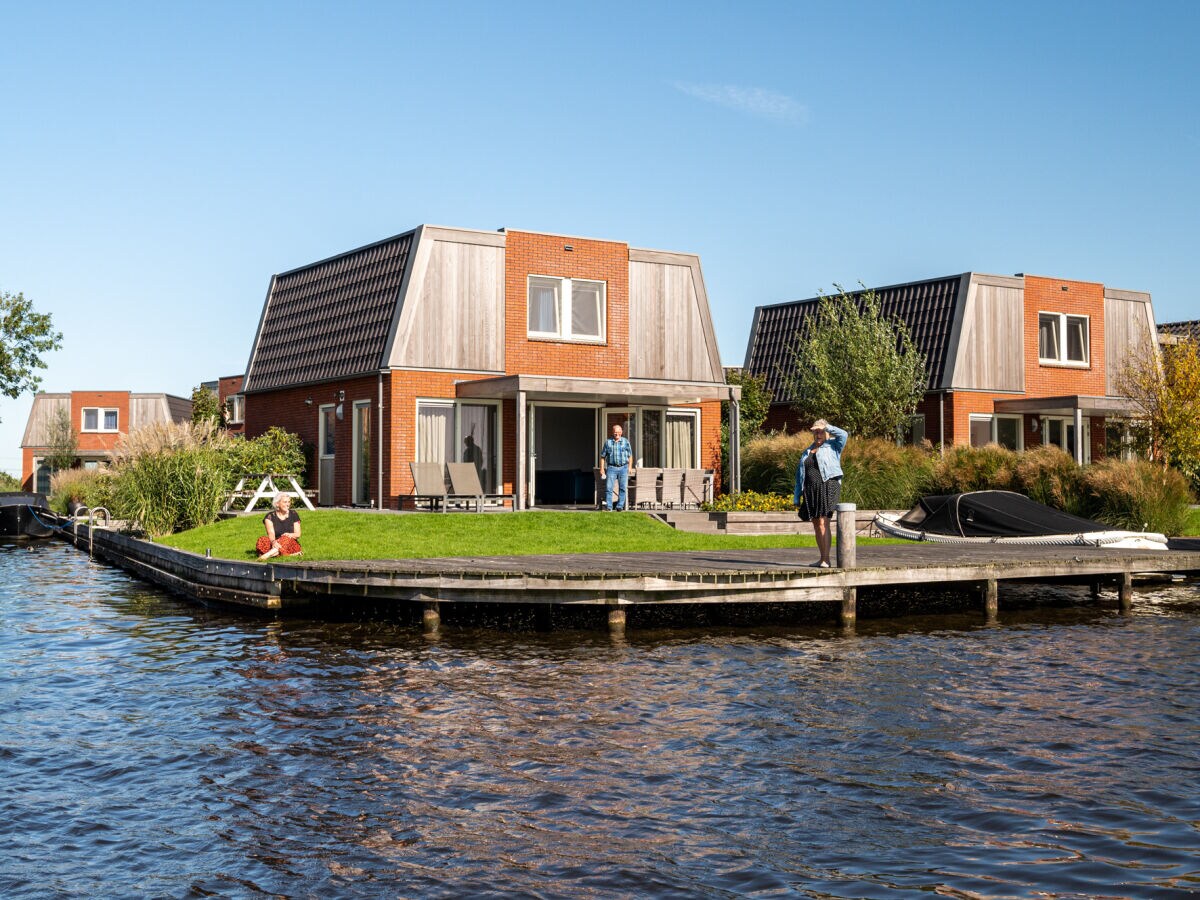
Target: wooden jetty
[(619, 581)]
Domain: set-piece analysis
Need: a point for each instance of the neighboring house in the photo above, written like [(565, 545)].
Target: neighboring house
[(100, 418), (229, 395), (511, 349), (1174, 332), (1019, 361)]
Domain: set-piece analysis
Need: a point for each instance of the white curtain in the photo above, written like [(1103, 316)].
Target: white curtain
[(681, 442), (435, 433), (477, 444), (543, 305), (585, 308)]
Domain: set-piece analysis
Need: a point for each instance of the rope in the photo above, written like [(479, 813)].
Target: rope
[(47, 524)]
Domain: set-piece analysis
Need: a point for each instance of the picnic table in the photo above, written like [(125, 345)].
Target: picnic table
[(267, 488)]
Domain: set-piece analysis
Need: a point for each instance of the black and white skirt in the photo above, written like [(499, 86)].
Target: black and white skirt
[(821, 498)]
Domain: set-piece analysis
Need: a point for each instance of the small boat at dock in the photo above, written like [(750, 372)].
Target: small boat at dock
[(25, 514), (1006, 517)]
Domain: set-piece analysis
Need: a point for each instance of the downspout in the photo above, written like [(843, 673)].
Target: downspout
[(942, 423), (379, 441)]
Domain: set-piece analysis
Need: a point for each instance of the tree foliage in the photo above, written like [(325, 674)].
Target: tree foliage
[(25, 335), (62, 440), (1166, 390), (206, 406), (753, 407), (854, 367)]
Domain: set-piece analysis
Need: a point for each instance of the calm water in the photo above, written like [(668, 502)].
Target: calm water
[(153, 748)]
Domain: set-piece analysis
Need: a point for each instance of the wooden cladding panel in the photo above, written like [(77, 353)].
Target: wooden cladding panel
[(991, 351), (145, 411), (457, 319), (1128, 332), (45, 410), (668, 336)]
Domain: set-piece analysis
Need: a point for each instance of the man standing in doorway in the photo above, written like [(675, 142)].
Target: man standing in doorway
[(614, 466)]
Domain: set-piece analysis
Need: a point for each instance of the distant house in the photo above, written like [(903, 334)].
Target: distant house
[(1019, 361), (229, 395), (100, 418), (1173, 332), (515, 350)]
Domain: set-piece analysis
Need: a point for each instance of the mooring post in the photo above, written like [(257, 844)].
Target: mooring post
[(431, 617), (991, 599), (616, 620), (1126, 591), (847, 552), (849, 607)]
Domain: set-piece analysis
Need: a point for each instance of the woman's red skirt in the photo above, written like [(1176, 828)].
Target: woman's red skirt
[(288, 546)]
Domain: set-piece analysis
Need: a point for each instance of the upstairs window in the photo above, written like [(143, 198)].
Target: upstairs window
[(1063, 339), (567, 309), (97, 419)]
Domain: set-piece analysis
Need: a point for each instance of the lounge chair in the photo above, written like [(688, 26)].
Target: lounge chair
[(465, 484), (672, 488), (695, 489), (645, 489), (429, 485)]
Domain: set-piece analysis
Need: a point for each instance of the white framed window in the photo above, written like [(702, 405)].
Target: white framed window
[(1063, 339), (681, 439), (997, 429), (566, 309), (913, 432), (96, 418), (235, 404)]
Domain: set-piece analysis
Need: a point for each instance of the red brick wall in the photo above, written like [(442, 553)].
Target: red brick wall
[(226, 387), (1075, 298), (88, 441), (543, 254)]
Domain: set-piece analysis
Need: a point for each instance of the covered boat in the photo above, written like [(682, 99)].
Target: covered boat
[(25, 514), (983, 517)]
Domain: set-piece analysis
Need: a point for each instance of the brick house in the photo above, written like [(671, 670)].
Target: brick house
[(513, 349), (1019, 361), (100, 418), (229, 395)]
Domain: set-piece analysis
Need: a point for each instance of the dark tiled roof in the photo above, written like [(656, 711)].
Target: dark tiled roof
[(1182, 329), (330, 319), (926, 307)]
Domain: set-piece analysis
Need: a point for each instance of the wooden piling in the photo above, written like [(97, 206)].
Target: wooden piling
[(616, 620), (1126, 591), (847, 546), (431, 617), (991, 599), (849, 607)]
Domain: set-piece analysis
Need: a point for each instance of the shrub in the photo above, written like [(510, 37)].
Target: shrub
[(1136, 495), (172, 491), (93, 488), (881, 475), (751, 501), (965, 469), (9, 483), (277, 451), (769, 462), (1051, 476)]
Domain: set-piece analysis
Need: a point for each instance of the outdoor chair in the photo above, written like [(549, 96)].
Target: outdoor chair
[(465, 484), (429, 485), (694, 487), (601, 487), (645, 489), (672, 488)]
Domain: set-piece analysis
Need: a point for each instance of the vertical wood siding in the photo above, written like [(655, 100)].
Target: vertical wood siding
[(991, 349), (1129, 332), (669, 337)]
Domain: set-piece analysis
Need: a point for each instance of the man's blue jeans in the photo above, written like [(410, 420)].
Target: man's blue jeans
[(619, 474)]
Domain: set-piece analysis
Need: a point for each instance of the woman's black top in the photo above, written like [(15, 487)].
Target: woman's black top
[(283, 526)]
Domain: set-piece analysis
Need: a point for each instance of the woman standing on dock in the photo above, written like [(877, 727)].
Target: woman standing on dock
[(283, 530), (819, 483)]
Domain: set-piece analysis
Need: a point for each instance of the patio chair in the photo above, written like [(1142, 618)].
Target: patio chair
[(429, 485), (694, 488), (672, 488), (601, 486), (645, 488), (465, 484)]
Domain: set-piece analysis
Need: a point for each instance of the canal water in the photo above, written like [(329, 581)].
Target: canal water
[(151, 748)]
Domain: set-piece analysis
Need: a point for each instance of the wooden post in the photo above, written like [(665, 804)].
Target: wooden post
[(847, 548), (849, 607), (1096, 589), (616, 620), (431, 617), (1126, 592), (991, 599)]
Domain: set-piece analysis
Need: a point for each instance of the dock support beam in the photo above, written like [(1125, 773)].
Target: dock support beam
[(1126, 592), (847, 546), (991, 599), (616, 621), (431, 617), (849, 607)]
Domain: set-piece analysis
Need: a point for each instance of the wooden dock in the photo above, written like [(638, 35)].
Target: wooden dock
[(620, 581)]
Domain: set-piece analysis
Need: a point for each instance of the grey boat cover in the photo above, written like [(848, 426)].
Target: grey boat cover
[(993, 514)]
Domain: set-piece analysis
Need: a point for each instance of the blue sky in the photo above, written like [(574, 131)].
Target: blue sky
[(161, 160)]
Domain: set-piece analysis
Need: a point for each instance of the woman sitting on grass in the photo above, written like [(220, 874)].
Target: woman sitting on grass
[(283, 530)]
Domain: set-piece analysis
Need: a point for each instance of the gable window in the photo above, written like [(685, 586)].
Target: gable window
[(568, 309), (1063, 339), (1003, 430), (98, 419), (236, 406)]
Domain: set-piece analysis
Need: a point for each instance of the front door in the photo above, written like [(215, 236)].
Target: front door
[(327, 445), (362, 453)]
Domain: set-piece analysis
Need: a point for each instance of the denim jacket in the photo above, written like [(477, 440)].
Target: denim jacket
[(829, 460)]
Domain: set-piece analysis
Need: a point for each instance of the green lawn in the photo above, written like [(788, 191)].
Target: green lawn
[(1193, 523), (341, 534)]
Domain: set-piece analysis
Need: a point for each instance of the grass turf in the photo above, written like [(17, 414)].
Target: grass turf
[(343, 534)]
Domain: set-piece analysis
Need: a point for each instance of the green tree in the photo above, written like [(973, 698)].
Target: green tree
[(855, 367), (753, 407), (9, 482), (206, 406), (25, 335), (1166, 390), (62, 440)]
